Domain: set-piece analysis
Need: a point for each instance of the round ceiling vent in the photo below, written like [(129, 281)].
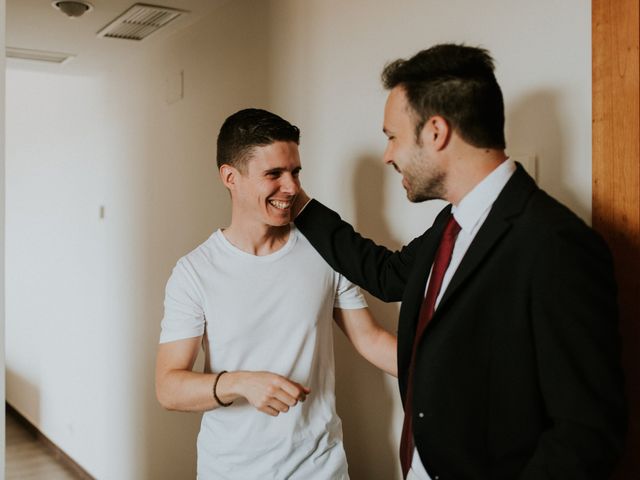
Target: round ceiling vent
[(72, 9)]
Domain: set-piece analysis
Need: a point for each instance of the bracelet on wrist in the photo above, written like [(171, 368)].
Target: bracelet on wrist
[(215, 394)]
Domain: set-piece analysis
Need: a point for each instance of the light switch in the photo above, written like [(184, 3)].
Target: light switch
[(175, 87)]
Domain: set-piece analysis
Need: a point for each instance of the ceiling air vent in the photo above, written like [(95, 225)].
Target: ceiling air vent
[(140, 21), (37, 55)]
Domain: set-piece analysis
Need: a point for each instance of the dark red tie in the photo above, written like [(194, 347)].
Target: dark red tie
[(440, 265)]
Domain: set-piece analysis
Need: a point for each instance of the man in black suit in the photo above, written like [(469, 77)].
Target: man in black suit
[(509, 368)]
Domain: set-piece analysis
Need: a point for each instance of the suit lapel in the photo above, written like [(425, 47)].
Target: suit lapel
[(510, 203), (490, 233)]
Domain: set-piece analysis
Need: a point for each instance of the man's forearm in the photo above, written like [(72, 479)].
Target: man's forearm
[(381, 351), (186, 391), (369, 339), (375, 268), (194, 392)]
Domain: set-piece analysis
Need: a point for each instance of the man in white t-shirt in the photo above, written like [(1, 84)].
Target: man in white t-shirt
[(261, 301)]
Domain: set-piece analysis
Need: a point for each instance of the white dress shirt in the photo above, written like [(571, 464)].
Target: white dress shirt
[(470, 214)]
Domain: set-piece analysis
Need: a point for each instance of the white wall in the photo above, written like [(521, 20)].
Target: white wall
[(84, 294), (58, 349), (2, 236)]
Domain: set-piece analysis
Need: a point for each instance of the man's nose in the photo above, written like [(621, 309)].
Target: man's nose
[(290, 185), (387, 156)]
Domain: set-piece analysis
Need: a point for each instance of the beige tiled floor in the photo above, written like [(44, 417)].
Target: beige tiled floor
[(29, 459)]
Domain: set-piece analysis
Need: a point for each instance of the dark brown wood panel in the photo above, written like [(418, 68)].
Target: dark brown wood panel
[(616, 182)]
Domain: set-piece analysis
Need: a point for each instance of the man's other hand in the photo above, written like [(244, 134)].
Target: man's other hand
[(267, 392)]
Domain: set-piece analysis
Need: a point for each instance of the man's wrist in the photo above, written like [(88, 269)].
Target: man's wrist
[(301, 201), (220, 402), (304, 206), (226, 384)]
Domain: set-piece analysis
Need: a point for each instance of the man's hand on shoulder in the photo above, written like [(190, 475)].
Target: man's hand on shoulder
[(299, 203)]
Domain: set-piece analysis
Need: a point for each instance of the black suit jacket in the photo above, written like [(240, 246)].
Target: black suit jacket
[(518, 373)]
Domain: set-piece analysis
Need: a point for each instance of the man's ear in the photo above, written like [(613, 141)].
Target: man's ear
[(228, 175), (436, 132)]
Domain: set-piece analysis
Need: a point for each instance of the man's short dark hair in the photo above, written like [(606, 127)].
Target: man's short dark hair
[(456, 82), (249, 128)]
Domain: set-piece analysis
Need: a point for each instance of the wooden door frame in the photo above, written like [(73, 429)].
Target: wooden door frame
[(616, 182)]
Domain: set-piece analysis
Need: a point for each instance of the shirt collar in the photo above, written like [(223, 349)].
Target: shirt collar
[(479, 200)]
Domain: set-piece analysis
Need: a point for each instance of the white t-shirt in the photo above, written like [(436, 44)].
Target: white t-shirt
[(264, 313)]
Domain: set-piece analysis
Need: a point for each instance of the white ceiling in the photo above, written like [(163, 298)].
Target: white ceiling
[(37, 25)]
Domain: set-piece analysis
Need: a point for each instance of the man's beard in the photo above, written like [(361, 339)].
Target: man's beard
[(424, 182)]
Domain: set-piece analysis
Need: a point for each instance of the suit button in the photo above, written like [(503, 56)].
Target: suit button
[(421, 415)]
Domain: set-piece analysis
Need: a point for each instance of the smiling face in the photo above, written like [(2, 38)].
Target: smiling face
[(263, 195), (422, 175)]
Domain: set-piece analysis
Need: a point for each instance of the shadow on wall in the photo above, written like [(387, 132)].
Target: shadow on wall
[(534, 127), (365, 400)]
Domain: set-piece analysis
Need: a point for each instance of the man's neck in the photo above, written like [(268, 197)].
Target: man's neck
[(257, 240), (468, 169)]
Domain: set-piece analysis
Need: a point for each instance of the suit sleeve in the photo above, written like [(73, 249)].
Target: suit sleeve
[(375, 268), (575, 329)]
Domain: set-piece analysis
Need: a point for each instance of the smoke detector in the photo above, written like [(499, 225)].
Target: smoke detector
[(72, 8)]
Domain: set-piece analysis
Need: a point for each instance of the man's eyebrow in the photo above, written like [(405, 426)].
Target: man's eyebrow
[(280, 170)]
